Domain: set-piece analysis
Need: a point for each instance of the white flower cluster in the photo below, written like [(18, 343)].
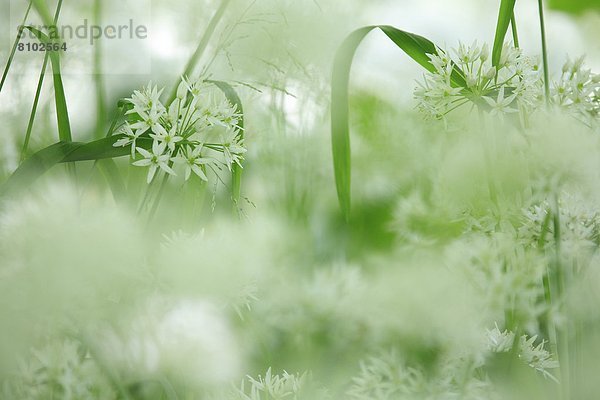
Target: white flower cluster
[(388, 376), (62, 370), (579, 225), (536, 356), (177, 133), (579, 90), (273, 386), (514, 85)]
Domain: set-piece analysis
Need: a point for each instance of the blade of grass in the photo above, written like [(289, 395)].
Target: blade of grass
[(416, 47), (515, 33), (38, 92), (34, 107), (14, 48), (62, 113), (98, 77), (42, 8), (544, 52), (504, 17), (210, 30)]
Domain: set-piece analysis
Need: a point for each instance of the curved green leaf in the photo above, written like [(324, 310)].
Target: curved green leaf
[(504, 19), (415, 46), (64, 152)]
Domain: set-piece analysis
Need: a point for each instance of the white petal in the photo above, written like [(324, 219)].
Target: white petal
[(151, 173), (142, 163), (145, 153), (198, 171), (167, 169)]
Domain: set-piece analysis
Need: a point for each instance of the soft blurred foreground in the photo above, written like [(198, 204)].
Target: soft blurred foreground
[(468, 267), (433, 291)]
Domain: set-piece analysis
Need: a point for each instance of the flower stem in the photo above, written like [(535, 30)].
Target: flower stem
[(159, 195), (515, 34), (544, 51), (210, 30)]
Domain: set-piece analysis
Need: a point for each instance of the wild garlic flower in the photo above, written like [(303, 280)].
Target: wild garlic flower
[(535, 356), (578, 90), (164, 136), (515, 85), (579, 228), (273, 386), (155, 160)]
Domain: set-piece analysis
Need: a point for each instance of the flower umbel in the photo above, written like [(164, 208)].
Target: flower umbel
[(180, 130)]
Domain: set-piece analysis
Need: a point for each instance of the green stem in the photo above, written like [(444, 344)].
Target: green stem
[(544, 52), (562, 336), (98, 78), (14, 48), (36, 101), (158, 198), (210, 30), (513, 25)]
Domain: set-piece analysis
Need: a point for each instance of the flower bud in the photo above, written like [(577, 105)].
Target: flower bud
[(182, 90), (491, 73), (484, 53)]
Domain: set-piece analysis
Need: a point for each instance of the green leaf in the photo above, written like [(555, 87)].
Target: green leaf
[(42, 8), (234, 99), (62, 113), (63, 152), (415, 46), (504, 16)]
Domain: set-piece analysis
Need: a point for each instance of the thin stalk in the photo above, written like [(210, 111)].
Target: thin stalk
[(544, 52), (98, 77), (487, 151), (14, 48), (38, 90), (147, 194), (158, 198), (562, 332), (36, 101), (210, 30), (513, 25)]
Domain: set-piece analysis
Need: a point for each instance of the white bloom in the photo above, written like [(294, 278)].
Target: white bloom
[(194, 161), (182, 90), (155, 159), (189, 343), (150, 119), (129, 138), (146, 100), (169, 138), (233, 151), (501, 104)]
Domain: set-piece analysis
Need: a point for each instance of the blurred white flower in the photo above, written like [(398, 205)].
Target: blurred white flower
[(188, 342)]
